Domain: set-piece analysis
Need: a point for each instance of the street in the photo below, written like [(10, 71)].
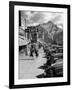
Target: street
[(29, 69)]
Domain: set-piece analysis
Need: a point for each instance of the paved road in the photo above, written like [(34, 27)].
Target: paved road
[(28, 69)]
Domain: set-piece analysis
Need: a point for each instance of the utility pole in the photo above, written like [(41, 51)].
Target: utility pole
[(25, 22), (19, 18), (25, 25), (26, 35)]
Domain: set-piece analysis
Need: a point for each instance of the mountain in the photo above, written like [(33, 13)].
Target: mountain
[(58, 37), (47, 32), (43, 34), (52, 33)]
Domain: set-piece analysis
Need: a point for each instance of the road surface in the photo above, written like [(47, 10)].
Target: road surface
[(29, 69)]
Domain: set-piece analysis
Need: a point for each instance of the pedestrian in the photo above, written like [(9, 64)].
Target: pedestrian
[(31, 50)]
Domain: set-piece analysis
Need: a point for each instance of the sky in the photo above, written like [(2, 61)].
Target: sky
[(39, 17)]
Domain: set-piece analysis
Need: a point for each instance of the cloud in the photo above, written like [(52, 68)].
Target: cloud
[(34, 17), (57, 19), (37, 18)]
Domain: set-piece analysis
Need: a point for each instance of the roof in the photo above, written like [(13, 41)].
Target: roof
[(23, 41)]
